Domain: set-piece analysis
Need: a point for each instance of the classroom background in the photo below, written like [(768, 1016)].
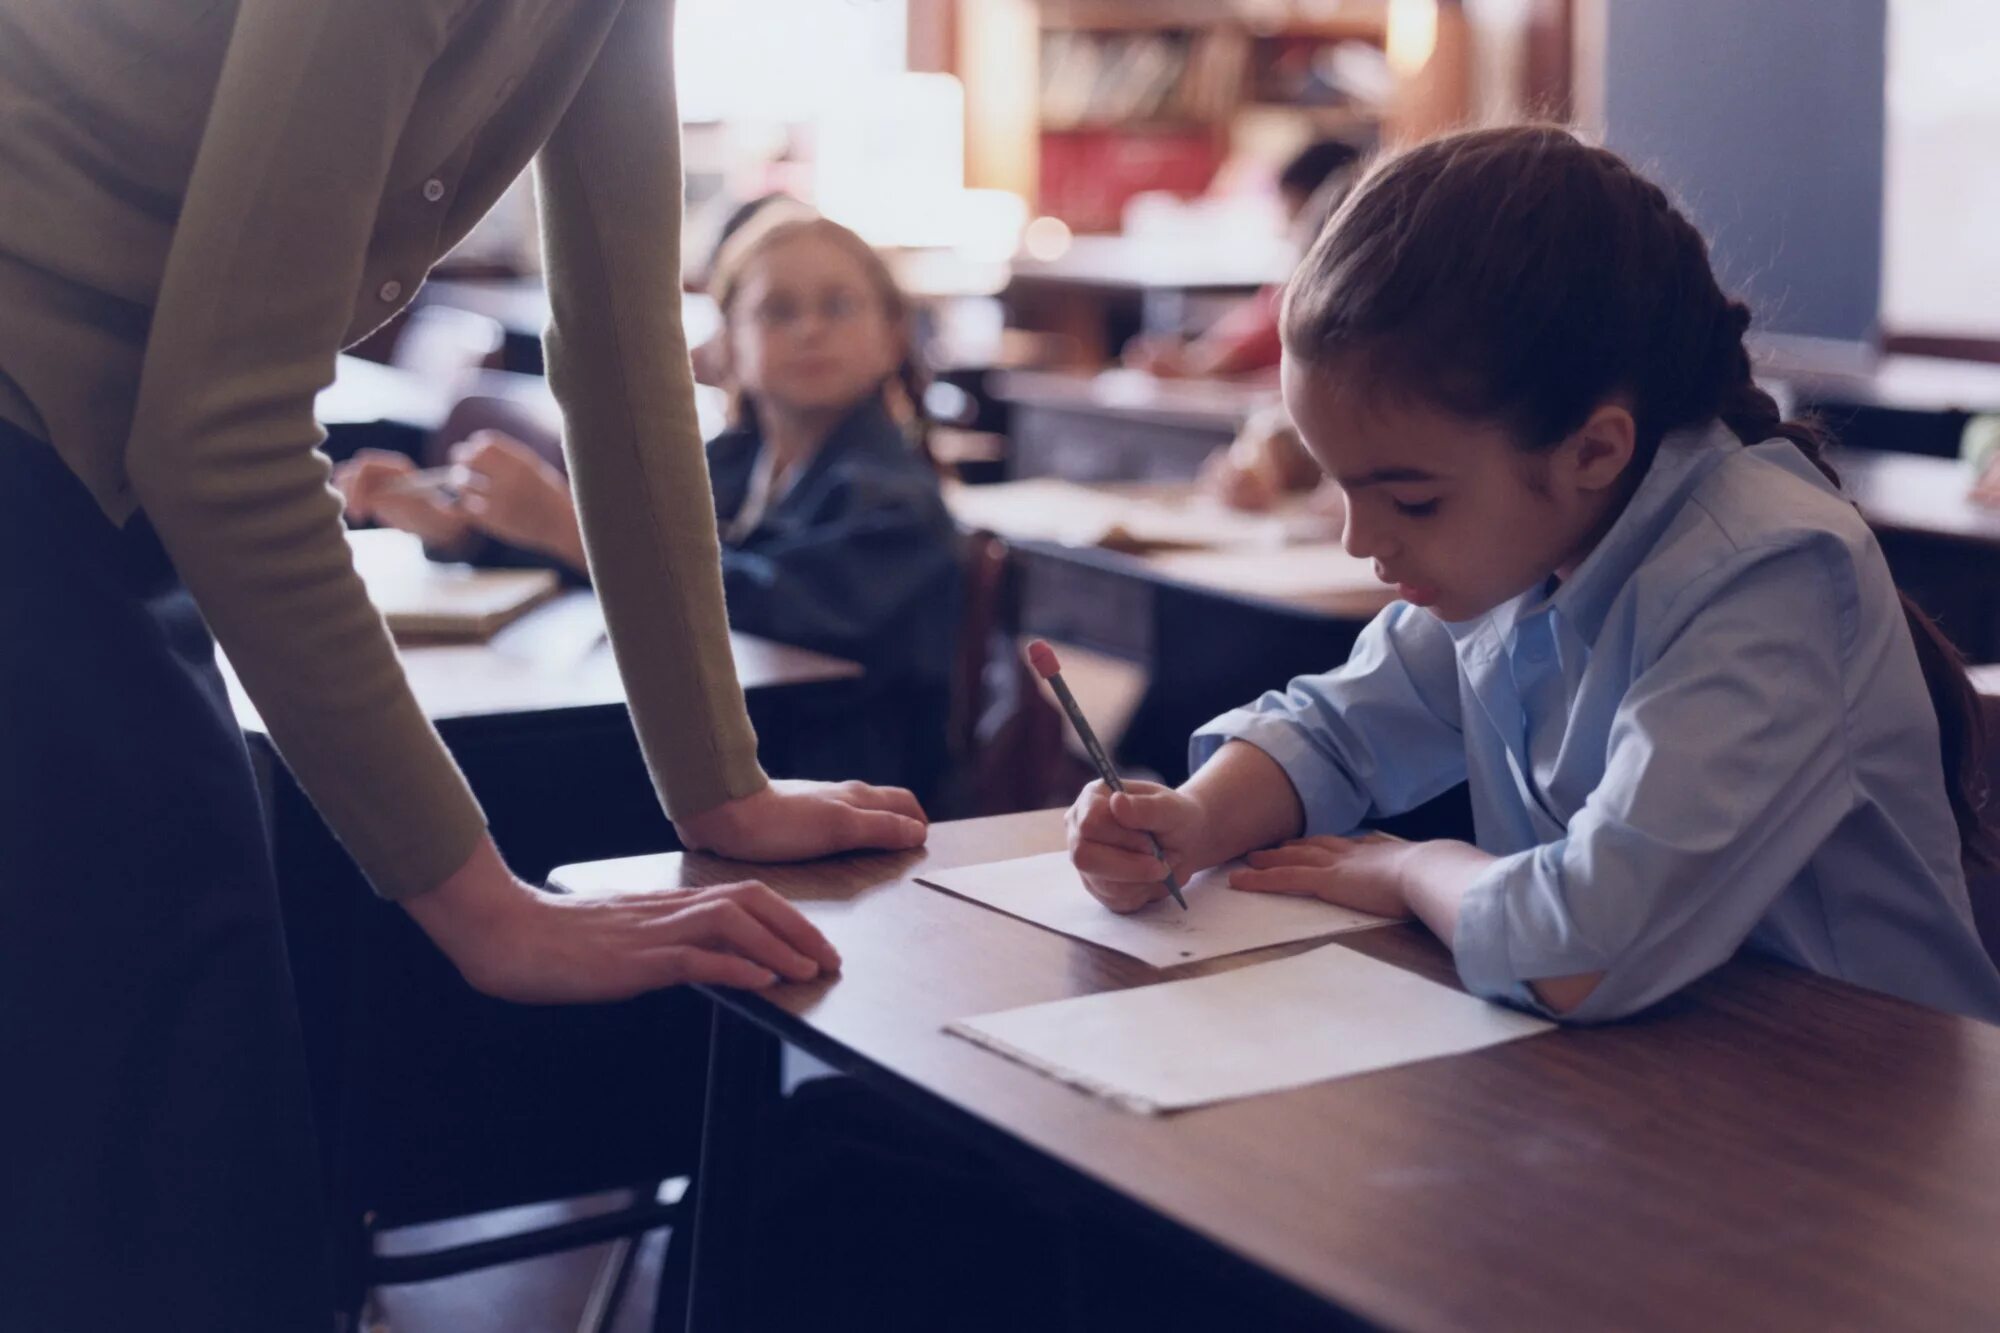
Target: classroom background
[(1076, 194)]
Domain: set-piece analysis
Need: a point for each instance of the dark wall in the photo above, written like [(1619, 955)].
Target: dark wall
[(1765, 119)]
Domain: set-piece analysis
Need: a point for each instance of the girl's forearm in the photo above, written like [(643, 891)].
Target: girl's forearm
[(1435, 877), (1247, 802)]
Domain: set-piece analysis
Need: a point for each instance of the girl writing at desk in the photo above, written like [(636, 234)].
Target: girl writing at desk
[(834, 532), (1637, 616)]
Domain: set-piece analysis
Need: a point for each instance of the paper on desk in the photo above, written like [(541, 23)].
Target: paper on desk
[(1047, 891), (1320, 1015)]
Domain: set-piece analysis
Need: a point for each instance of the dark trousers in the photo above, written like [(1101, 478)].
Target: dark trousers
[(157, 1167)]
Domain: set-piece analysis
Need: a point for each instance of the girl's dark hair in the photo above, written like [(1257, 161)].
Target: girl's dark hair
[(1521, 276), (903, 392)]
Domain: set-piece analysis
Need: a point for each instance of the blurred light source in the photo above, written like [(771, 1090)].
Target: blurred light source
[(1046, 239), (1412, 35), (891, 160)]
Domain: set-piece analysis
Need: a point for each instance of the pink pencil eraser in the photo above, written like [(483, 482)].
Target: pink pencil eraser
[(1043, 659)]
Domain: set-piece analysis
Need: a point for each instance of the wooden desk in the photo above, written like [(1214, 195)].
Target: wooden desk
[(1943, 549), (1769, 1150), (1104, 289), (1121, 425), (555, 661), (1915, 404)]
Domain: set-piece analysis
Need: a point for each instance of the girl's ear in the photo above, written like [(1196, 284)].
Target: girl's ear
[(1602, 447)]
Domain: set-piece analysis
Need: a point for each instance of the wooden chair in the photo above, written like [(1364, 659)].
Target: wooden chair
[(1007, 747), (535, 423)]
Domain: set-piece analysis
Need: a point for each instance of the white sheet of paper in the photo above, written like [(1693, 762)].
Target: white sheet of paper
[(1219, 920), (1320, 1015)]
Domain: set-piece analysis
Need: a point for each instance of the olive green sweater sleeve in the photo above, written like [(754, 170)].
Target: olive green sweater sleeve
[(609, 186), (257, 292)]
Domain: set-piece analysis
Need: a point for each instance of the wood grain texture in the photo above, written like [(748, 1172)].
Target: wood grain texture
[(1768, 1150)]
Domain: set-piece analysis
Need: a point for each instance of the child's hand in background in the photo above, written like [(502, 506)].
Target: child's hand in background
[(512, 494), (1109, 847), (1365, 873), (375, 485)]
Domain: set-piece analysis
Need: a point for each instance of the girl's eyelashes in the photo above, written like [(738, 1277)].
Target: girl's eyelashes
[(1415, 508)]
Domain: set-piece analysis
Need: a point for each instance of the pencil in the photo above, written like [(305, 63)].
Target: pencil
[(1043, 659)]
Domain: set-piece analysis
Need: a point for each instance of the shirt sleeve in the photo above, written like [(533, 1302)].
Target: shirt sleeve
[(1727, 769), (609, 189), (835, 585), (1379, 736), (257, 292)]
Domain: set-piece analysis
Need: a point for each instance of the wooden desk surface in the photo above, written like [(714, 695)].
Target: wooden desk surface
[(556, 660), (1829, 370), (1221, 405), (1909, 493), (1770, 1150), (1122, 263), (1245, 556)]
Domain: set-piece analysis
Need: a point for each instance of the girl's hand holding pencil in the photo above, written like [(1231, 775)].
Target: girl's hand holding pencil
[(1113, 835)]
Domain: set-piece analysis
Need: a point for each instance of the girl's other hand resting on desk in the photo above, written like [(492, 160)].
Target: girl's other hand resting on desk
[(1108, 841), (796, 821), (1366, 872), (517, 943)]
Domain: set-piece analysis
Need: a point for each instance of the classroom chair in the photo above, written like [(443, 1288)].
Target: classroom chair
[(1006, 741), (535, 424)]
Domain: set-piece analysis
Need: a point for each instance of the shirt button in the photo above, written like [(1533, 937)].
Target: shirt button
[(390, 290), (434, 189)]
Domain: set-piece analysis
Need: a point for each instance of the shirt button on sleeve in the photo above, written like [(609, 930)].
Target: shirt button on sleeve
[(390, 290), (433, 189)]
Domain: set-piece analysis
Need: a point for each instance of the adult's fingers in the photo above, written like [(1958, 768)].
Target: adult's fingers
[(855, 827), (783, 920), (720, 922), (896, 800), (683, 964)]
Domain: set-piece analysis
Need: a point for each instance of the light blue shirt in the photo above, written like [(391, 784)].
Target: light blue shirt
[(1714, 734)]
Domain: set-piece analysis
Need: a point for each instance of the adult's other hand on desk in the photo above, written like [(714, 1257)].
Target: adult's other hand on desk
[(517, 943), (796, 821)]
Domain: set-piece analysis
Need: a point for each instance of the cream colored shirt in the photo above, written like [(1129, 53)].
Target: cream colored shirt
[(201, 201)]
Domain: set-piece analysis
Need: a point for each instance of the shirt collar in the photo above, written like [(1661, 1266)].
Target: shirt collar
[(1684, 460)]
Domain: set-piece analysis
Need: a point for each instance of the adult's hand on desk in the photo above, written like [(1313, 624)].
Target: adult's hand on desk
[(1111, 841), (516, 943), (796, 821)]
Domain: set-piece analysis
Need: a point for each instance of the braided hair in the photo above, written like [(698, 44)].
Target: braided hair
[(1521, 276)]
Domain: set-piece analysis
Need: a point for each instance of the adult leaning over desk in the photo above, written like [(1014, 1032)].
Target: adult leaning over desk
[(199, 205)]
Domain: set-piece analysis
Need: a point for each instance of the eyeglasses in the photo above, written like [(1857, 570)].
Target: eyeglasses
[(782, 313)]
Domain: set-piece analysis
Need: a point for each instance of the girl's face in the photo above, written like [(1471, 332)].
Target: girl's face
[(808, 331), (1450, 510)]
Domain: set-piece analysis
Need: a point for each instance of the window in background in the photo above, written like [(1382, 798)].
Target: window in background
[(1941, 259)]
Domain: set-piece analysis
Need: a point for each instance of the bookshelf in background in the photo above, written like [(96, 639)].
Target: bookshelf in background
[(1139, 95)]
